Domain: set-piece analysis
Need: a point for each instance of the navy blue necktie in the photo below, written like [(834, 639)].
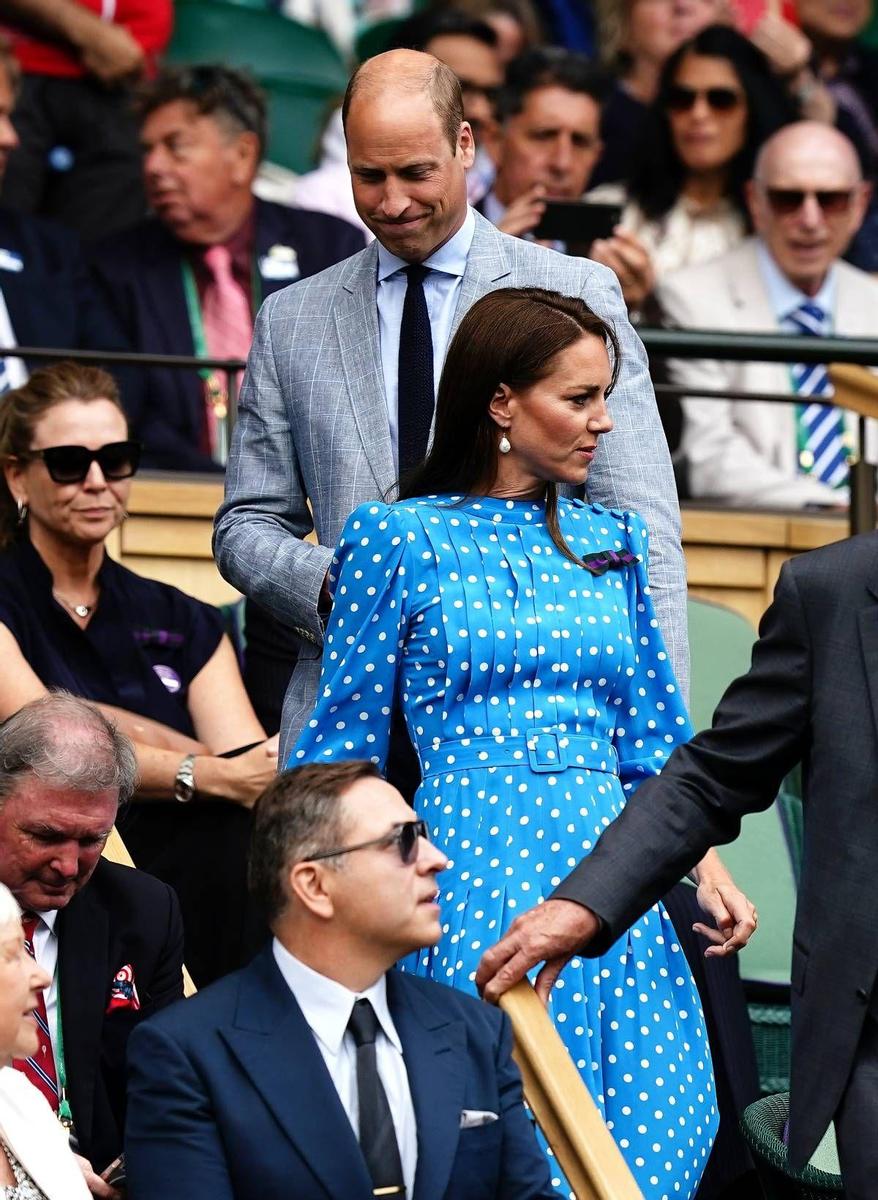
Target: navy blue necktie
[(415, 375), (377, 1134)]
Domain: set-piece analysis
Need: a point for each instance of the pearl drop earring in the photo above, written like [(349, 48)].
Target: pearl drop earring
[(504, 447)]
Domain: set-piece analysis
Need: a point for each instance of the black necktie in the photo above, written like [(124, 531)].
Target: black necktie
[(415, 376), (377, 1135)]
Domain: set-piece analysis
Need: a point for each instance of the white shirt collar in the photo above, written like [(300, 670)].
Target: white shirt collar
[(450, 258), (49, 917), (784, 296), (327, 1004)]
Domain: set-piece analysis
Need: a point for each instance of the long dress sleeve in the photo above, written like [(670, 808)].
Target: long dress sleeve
[(652, 717), (364, 642)]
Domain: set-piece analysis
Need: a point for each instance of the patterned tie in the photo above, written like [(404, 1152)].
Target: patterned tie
[(5, 381), (40, 1069), (821, 440), (377, 1135), (416, 397), (228, 331)]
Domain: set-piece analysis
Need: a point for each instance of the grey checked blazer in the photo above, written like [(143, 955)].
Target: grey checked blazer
[(312, 439)]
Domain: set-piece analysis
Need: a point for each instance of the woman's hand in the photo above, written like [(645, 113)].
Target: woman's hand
[(625, 254), (734, 917), (242, 779)]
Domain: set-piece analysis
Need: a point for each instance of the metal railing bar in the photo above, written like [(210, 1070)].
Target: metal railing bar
[(759, 347)]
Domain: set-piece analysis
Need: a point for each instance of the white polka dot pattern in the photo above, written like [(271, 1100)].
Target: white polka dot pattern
[(537, 695)]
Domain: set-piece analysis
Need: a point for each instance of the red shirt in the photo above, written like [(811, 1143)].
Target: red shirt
[(150, 22)]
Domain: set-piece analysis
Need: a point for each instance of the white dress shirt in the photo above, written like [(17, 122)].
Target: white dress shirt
[(13, 372), (441, 292), (327, 1006), (46, 955), (784, 297)]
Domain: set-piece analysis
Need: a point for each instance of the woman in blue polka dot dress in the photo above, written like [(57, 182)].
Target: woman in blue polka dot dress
[(517, 633)]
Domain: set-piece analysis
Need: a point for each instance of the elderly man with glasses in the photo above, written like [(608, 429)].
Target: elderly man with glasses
[(806, 200), (317, 1072)]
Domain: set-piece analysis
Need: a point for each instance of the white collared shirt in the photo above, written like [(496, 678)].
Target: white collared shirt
[(327, 1006), (15, 370), (46, 955), (441, 293), (784, 297)]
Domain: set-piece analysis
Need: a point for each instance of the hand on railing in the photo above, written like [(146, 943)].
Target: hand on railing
[(551, 934)]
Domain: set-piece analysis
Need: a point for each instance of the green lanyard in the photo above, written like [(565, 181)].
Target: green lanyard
[(65, 1116)]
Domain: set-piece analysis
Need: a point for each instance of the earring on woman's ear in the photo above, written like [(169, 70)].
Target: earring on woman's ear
[(22, 510), (504, 447)]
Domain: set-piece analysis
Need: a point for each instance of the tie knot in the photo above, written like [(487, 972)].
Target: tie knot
[(417, 273), (29, 922), (363, 1023), (218, 260)]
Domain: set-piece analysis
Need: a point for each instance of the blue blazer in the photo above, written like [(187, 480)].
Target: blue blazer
[(230, 1099), (138, 273)]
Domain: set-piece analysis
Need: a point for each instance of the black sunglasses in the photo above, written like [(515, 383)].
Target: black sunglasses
[(71, 464), (786, 201), (682, 99), (405, 837)]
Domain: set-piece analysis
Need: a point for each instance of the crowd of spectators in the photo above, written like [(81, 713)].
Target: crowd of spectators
[(733, 157)]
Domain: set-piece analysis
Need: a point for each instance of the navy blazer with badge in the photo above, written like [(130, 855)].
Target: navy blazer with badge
[(50, 297), (229, 1097), (139, 273), (120, 919)]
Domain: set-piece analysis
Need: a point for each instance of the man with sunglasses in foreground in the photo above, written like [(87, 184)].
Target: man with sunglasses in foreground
[(317, 1072), (806, 200)]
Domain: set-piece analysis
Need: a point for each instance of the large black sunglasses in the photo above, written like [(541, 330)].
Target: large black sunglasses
[(406, 837), (71, 464), (680, 98), (786, 201)]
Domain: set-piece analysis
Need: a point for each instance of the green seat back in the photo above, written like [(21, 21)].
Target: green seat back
[(762, 1125)]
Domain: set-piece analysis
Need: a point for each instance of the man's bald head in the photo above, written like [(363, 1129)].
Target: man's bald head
[(808, 142), (399, 73), (807, 200)]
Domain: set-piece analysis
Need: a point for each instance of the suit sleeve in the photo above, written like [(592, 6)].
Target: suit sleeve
[(760, 730), (524, 1171), (724, 462), (259, 538), (365, 639), (172, 1144), (633, 469)]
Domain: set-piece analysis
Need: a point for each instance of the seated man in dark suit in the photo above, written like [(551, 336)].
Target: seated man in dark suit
[(46, 295), (110, 937), (262, 1086), (190, 279)]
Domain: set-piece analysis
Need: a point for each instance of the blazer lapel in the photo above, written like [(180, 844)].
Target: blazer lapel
[(487, 263), (276, 1049), (84, 970), (868, 623), (434, 1047), (356, 325)]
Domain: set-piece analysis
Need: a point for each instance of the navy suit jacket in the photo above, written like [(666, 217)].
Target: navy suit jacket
[(229, 1097), (52, 301), (139, 274)]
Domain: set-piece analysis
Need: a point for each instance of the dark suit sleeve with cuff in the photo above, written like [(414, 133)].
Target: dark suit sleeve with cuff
[(524, 1170), (173, 1147), (761, 729)]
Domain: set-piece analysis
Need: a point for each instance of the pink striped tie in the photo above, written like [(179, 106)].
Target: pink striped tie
[(228, 328), (40, 1069)]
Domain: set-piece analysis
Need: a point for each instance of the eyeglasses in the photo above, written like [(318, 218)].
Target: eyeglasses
[(405, 837), (680, 99), (71, 464), (786, 201)]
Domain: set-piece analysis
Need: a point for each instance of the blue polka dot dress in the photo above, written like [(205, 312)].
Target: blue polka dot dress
[(537, 695)]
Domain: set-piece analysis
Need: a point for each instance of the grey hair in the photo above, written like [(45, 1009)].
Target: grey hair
[(297, 816), (62, 739), (10, 913)]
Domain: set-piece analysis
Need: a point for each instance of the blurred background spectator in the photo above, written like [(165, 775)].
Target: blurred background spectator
[(78, 159)]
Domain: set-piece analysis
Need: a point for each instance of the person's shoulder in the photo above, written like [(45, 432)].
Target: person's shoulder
[(688, 280), (123, 889), (850, 277), (199, 1016), (840, 569), (613, 528), (450, 1002), (315, 297), (308, 222), (140, 244), (400, 518), (151, 594)]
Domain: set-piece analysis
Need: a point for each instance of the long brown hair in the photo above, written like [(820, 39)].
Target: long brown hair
[(22, 409), (511, 336)]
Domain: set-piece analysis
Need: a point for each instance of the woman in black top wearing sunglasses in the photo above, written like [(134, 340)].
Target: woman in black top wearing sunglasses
[(154, 659)]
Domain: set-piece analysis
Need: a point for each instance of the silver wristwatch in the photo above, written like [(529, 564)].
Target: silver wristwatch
[(184, 781)]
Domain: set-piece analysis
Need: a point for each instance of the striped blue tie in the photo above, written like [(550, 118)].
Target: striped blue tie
[(5, 379), (821, 440)]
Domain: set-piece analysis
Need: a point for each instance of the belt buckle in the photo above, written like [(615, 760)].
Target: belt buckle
[(545, 752)]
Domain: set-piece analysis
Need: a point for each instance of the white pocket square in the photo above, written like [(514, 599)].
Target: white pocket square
[(472, 1118)]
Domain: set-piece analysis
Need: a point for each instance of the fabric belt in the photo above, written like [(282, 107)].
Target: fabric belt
[(544, 751)]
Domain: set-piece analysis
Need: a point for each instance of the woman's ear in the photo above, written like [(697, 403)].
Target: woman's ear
[(500, 406), (13, 471)]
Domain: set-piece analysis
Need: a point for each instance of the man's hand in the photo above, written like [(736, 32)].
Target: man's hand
[(733, 915), (625, 254), (551, 933), (95, 1184), (525, 213)]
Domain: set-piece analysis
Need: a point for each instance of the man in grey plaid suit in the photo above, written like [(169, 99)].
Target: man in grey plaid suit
[(317, 419)]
